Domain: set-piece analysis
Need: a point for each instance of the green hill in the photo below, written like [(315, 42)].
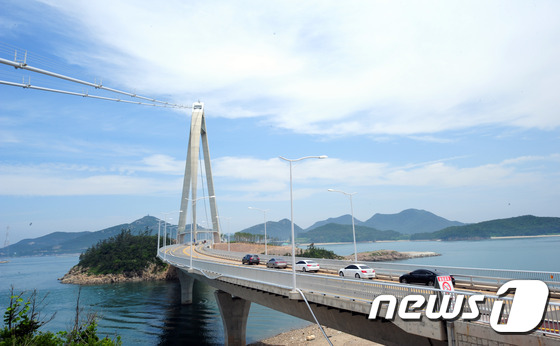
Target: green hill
[(279, 230), (77, 242), (333, 232), (410, 221), (516, 226), (122, 253)]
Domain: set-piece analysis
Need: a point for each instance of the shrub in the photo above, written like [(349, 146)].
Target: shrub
[(22, 322)]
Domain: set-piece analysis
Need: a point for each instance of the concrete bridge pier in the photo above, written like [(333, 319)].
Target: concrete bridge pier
[(234, 312), (187, 283)]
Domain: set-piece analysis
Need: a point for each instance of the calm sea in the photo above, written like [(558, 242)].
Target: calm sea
[(148, 313), (542, 253)]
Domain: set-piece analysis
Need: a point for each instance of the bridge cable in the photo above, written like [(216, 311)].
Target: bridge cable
[(204, 191), (24, 66), (315, 318), (29, 86)]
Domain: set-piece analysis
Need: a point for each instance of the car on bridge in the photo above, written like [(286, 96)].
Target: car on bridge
[(423, 276), (276, 263), (251, 259), (307, 266), (359, 271)]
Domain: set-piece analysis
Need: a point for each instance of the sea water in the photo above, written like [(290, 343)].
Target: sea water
[(534, 254), (142, 313), (149, 313)]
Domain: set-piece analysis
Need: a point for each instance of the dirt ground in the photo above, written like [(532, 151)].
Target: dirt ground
[(257, 249), (313, 336), (379, 255)]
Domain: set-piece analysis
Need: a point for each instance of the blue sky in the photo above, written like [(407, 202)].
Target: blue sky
[(446, 106)]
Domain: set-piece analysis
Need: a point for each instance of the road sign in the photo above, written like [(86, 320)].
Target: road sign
[(445, 283)]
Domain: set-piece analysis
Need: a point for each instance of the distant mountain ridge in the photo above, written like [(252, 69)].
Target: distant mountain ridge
[(333, 232), (341, 220), (409, 221), (76, 242), (390, 227), (527, 225), (279, 230)]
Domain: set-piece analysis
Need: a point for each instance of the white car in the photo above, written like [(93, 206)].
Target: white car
[(307, 266), (359, 271)]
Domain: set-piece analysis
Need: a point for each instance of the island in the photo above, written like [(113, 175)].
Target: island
[(123, 258), (390, 255)]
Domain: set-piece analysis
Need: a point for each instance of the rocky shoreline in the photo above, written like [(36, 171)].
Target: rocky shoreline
[(390, 255), (80, 276)]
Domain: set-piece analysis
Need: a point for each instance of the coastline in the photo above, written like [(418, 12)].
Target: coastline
[(390, 255), (78, 275), (526, 236)]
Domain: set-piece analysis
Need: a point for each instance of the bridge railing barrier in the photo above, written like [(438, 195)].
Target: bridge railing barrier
[(346, 288), (464, 276)]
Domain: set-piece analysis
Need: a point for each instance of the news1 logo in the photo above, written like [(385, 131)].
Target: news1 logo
[(526, 312)]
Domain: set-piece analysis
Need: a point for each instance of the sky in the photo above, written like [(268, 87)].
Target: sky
[(446, 106)]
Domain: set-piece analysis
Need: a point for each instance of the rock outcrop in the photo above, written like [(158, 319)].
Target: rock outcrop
[(389, 255), (80, 276)]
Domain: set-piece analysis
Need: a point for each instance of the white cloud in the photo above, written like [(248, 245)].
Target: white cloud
[(360, 68), (52, 185), (59, 179), (250, 176), (157, 163), (272, 176)]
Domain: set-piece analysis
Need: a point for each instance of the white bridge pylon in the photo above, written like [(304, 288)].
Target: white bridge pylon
[(197, 134)]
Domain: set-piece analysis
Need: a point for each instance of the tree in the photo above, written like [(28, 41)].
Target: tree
[(316, 252), (124, 253), (22, 321)]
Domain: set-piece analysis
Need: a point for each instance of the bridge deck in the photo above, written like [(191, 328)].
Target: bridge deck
[(332, 292)]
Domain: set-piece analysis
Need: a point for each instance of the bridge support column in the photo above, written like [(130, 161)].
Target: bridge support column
[(234, 312), (187, 283)]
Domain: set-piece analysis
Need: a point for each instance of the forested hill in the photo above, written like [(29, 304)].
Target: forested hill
[(332, 233), (528, 225), (58, 243)]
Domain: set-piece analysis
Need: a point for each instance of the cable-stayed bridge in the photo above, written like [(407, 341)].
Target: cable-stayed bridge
[(340, 303), (345, 304)]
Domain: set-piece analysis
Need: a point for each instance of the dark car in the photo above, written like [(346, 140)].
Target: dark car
[(276, 263), (251, 259), (423, 276)]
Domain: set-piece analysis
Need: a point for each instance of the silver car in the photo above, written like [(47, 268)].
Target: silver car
[(307, 266), (276, 263)]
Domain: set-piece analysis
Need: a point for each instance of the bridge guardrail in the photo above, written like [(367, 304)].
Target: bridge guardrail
[(463, 275), (363, 290)]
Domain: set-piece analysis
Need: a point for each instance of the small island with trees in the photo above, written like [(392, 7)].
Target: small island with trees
[(124, 257)]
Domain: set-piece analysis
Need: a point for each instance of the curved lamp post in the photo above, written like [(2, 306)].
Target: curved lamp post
[(265, 240), (193, 228), (352, 211), (292, 212)]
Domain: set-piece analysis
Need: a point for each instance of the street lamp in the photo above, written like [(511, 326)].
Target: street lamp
[(292, 212), (193, 228), (165, 229), (228, 228), (265, 242), (352, 211), (158, 233)]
